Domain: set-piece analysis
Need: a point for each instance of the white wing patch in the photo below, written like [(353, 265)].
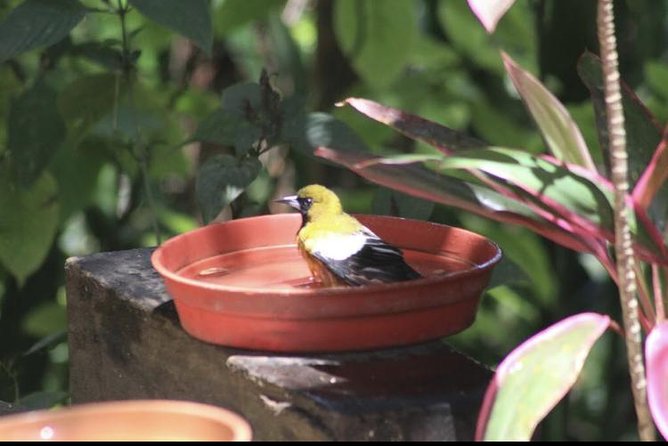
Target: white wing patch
[(337, 246)]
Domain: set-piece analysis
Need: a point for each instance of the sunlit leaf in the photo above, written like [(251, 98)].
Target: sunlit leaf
[(568, 204), (37, 23), (192, 19), (581, 200), (535, 377), (557, 127), (220, 180), (418, 181), (489, 12), (656, 352), (27, 231), (376, 36)]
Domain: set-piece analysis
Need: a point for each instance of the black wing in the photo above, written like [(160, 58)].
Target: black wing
[(376, 261)]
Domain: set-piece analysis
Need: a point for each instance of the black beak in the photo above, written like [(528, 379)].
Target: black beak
[(290, 200)]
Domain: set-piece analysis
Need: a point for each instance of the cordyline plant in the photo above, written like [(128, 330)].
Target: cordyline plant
[(564, 196)]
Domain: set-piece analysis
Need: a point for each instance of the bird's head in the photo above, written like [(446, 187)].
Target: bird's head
[(314, 201)]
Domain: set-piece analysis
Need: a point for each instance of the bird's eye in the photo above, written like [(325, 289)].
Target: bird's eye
[(305, 203)]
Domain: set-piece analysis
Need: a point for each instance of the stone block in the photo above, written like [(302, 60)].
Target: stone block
[(126, 342)]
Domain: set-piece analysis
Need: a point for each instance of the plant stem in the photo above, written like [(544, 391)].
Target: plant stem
[(139, 151), (658, 294), (623, 241)]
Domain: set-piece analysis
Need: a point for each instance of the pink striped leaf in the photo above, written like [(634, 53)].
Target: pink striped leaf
[(486, 181), (656, 353), (415, 127), (410, 177), (535, 376), (559, 130), (654, 176)]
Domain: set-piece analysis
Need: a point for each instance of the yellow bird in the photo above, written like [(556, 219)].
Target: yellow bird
[(338, 248)]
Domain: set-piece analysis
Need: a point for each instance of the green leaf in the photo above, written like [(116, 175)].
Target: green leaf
[(643, 133), (37, 23), (220, 180), (287, 53), (467, 36), (233, 14), (308, 132), (536, 375), (87, 100), (27, 231), (42, 400), (35, 132), (495, 124), (48, 342), (377, 36), (100, 53), (228, 128), (527, 252), (391, 202), (558, 128), (192, 19), (656, 74), (243, 100), (45, 319), (219, 127), (76, 171)]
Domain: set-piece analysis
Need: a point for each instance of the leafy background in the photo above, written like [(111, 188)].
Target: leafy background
[(127, 122)]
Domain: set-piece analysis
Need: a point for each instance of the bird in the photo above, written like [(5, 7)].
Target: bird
[(338, 249)]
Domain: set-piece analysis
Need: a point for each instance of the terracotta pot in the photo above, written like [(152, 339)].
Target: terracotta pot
[(243, 283), (136, 420)]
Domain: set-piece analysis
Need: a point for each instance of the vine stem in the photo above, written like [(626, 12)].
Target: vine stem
[(623, 242)]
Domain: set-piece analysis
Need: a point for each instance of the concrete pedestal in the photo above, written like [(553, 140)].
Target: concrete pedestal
[(126, 342)]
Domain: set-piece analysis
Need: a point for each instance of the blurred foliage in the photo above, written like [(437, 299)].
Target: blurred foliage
[(129, 121)]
